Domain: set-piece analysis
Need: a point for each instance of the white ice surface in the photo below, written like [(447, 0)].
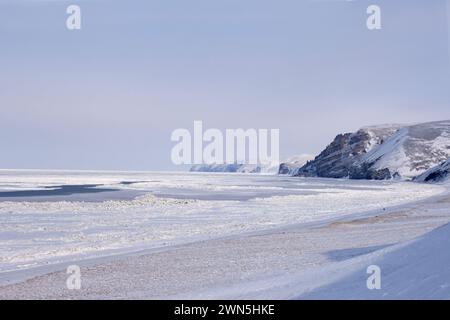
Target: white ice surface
[(36, 234)]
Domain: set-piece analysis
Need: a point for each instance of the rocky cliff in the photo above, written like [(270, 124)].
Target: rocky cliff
[(342, 157), (383, 152)]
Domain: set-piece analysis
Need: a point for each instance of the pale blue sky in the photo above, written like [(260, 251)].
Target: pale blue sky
[(109, 96)]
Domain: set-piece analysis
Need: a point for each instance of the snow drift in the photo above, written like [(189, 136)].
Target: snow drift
[(416, 270)]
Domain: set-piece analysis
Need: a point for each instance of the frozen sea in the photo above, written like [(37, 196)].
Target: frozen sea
[(51, 217)]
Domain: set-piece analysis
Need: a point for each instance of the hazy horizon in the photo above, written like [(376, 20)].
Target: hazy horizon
[(108, 96)]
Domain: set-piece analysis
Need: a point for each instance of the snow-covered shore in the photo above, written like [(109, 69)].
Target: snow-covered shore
[(292, 257), (172, 209)]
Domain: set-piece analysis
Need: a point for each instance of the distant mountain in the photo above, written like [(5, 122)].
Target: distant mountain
[(438, 173), (383, 152), (237, 168), (374, 152), (240, 168), (289, 166)]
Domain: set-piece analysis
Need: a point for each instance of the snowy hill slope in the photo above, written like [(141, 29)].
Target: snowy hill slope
[(417, 270), (439, 173), (383, 152), (412, 150)]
